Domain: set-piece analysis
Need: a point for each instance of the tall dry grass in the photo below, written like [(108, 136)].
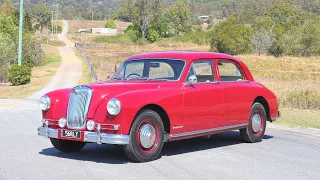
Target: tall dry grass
[(111, 55), (295, 80)]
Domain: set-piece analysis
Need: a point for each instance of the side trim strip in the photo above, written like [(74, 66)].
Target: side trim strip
[(208, 130)]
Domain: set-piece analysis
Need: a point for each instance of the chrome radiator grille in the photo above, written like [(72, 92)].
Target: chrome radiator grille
[(78, 107)]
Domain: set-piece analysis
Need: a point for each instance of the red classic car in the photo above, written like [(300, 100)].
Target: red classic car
[(160, 97)]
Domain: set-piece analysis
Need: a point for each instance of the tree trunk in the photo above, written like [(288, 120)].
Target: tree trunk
[(144, 26)]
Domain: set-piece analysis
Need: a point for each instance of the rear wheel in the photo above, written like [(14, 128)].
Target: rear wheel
[(257, 124), (67, 146), (146, 137)]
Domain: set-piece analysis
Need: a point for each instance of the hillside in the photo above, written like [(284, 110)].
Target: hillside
[(101, 9)]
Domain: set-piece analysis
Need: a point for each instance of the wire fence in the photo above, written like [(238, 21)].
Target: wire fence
[(87, 58)]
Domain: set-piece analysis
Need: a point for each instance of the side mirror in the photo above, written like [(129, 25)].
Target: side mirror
[(193, 79)]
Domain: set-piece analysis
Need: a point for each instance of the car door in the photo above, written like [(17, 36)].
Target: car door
[(236, 91), (203, 99)]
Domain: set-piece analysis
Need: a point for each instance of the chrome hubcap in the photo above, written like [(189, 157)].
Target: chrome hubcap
[(147, 136), (256, 123)]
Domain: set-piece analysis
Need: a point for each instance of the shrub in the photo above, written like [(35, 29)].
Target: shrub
[(19, 75), (231, 38), (133, 35), (110, 24), (32, 53), (153, 35)]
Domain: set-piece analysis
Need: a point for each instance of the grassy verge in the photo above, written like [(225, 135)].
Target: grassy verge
[(298, 117), (86, 76), (40, 77), (54, 42)]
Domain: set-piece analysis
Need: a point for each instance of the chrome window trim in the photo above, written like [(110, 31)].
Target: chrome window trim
[(243, 81), (238, 67), (174, 59), (213, 82), (207, 130)]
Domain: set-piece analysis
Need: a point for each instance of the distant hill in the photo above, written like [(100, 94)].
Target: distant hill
[(102, 9), (79, 9)]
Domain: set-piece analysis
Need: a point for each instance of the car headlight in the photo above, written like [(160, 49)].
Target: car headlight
[(114, 106), (45, 102)]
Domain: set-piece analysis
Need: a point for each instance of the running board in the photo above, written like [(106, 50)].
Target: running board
[(204, 132)]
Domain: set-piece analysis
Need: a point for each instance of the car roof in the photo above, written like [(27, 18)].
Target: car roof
[(185, 55)]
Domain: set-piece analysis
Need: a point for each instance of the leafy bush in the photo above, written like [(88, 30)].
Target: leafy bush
[(110, 24), (19, 75), (153, 35), (231, 38), (32, 53), (133, 35)]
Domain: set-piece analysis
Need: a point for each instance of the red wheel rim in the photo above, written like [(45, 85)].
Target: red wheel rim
[(148, 136), (257, 123)]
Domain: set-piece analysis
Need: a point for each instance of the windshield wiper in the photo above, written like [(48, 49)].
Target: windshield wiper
[(118, 78)]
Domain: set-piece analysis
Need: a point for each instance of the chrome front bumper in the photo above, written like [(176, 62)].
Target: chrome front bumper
[(93, 137)]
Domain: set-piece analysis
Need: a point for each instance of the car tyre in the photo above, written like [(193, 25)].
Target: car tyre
[(146, 137), (254, 132), (67, 146)]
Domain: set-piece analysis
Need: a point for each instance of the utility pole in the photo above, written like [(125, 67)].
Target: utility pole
[(55, 11), (20, 34)]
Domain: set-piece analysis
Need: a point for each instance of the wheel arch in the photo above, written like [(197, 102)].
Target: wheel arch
[(162, 113), (265, 104)]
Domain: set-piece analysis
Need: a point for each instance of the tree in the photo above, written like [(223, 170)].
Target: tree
[(110, 24), (128, 11), (180, 15), (230, 37), (8, 55), (147, 9), (42, 15), (261, 41)]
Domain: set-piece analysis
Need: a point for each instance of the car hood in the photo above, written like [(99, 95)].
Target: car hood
[(100, 93)]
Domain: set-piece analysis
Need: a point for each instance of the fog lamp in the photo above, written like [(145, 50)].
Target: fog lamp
[(62, 122), (90, 125)]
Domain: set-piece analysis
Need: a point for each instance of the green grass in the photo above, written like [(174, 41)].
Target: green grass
[(41, 76), (52, 59), (86, 76), (298, 117), (120, 39)]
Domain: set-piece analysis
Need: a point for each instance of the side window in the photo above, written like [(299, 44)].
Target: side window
[(201, 71), (160, 70), (229, 71)]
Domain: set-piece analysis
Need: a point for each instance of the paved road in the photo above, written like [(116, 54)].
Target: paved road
[(70, 70), (24, 155)]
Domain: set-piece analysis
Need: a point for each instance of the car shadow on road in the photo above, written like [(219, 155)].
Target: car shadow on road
[(112, 154)]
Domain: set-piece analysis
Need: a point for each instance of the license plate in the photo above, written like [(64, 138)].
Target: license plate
[(71, 134)]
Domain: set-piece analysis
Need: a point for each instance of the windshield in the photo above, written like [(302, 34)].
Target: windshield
[(162, 69)]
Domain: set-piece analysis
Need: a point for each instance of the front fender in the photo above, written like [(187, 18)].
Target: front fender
[(171, 100)]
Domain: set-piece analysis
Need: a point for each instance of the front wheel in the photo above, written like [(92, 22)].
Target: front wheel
[(257, 124), (67, 146), (146, 137)]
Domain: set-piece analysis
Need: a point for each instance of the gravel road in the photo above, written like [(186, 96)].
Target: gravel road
[(70, 70)]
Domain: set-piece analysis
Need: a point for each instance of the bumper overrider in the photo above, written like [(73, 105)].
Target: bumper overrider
[(92, 137)]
